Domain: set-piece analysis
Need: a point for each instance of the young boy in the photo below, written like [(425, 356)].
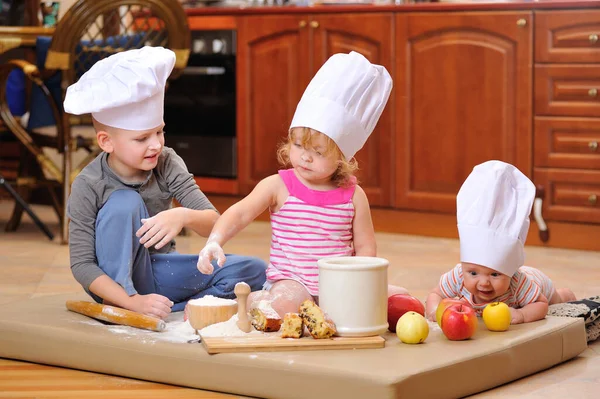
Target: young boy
[(122, 224), (493, 207)]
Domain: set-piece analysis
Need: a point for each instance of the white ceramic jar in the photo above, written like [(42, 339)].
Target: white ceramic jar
[(353, 292)]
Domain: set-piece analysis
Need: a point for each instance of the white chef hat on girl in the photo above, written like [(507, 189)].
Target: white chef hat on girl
[(493, 207), (344, 100), (125, 90)]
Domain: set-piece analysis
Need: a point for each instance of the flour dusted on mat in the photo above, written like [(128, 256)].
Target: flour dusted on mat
[(210, 300), (177, 331)]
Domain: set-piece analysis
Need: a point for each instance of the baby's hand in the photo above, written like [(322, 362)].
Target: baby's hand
[(211, 251), (517, 316), (431, 316)]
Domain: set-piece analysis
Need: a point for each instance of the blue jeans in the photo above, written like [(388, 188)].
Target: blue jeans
[(121, 256)]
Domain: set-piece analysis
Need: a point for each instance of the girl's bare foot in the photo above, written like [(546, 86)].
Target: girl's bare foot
[(394, 289)]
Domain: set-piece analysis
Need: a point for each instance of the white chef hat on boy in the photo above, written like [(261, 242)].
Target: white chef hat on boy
[(125, 90), (344, 100), (493, 207)]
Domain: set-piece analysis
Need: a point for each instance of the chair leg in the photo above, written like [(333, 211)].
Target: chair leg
[(66, 186), (15, 218), (23, 206)]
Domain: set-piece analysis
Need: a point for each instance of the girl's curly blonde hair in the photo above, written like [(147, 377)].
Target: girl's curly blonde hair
[(342, 177)]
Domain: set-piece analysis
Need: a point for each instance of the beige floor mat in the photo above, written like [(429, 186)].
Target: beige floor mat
[(41, 330)]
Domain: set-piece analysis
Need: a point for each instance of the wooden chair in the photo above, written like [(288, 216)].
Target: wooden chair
[(89, 31)]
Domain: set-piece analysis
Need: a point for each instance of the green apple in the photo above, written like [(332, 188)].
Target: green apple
[(412, 328)]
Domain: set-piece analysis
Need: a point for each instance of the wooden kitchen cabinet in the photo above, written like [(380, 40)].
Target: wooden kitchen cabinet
[(272, 68), (570, 195), (277, 57), (463, 96), (567, 90), (567, 117), (570, 36)]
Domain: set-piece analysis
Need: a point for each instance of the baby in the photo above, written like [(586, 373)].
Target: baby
[(493, 207)]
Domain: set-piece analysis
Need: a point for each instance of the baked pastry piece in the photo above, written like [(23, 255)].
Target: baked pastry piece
[(264, 318), (317, 323), (293, 326)]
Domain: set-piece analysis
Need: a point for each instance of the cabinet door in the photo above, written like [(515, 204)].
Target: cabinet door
[(463, 96), (371, 35), (570, 195), (273, 64)]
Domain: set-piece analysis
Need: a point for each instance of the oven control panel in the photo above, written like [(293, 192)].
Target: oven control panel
[(214, 42)]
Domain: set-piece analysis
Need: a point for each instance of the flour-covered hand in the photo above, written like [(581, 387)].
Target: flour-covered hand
[(160, 229), (212, 250)]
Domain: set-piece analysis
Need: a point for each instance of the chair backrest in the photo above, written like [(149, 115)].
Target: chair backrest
[(95, 29)]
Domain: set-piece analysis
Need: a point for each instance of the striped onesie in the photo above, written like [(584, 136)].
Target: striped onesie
[(526, 285), (310, 225)]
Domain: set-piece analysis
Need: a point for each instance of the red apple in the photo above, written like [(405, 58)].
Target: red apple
[(399, 304), (444, 304), (459, 322)]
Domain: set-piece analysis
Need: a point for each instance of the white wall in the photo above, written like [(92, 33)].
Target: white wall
[(64, 6)]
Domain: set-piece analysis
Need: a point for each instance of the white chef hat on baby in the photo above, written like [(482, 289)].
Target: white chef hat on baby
[(125, 90), (344, 100), (493, 207)]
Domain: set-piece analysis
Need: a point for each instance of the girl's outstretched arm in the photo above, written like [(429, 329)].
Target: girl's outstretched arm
[(236, 218)]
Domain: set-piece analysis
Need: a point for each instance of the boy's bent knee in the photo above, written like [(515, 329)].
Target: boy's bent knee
[(123, 203)]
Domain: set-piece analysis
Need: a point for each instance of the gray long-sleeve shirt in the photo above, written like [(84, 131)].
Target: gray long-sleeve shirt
[(94, 185)]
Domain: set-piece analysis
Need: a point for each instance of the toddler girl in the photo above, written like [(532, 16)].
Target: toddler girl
[(317, 208)]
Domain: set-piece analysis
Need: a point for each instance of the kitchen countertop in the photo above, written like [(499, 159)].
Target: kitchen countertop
[(429, 7)]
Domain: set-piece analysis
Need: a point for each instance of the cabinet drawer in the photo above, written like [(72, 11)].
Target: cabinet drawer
[(567, 36), (570, 195), (567, 142), (569, 90)]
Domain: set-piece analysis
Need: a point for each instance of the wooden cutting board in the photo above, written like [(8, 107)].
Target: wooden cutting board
[(273, 343)]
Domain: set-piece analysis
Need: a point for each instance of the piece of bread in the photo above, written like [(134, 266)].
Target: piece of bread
[(293, 326), (316, 321), (265, 319)]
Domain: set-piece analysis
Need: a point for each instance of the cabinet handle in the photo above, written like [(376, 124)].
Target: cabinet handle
[(521, 22), (592, 92), (593, 145), (302, 24), (314, 24), (593, 38), (592, 199), (537, 214)]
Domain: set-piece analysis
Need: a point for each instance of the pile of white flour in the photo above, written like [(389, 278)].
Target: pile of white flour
[(227, 328), (210, 300)]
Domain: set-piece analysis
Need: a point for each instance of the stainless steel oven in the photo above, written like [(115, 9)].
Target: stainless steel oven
[(200, 106)]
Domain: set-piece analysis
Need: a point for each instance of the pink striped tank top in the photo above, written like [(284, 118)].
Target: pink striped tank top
[(310, 225)]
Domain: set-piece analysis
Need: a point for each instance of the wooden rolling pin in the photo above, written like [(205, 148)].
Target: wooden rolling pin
[(116, 315)]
